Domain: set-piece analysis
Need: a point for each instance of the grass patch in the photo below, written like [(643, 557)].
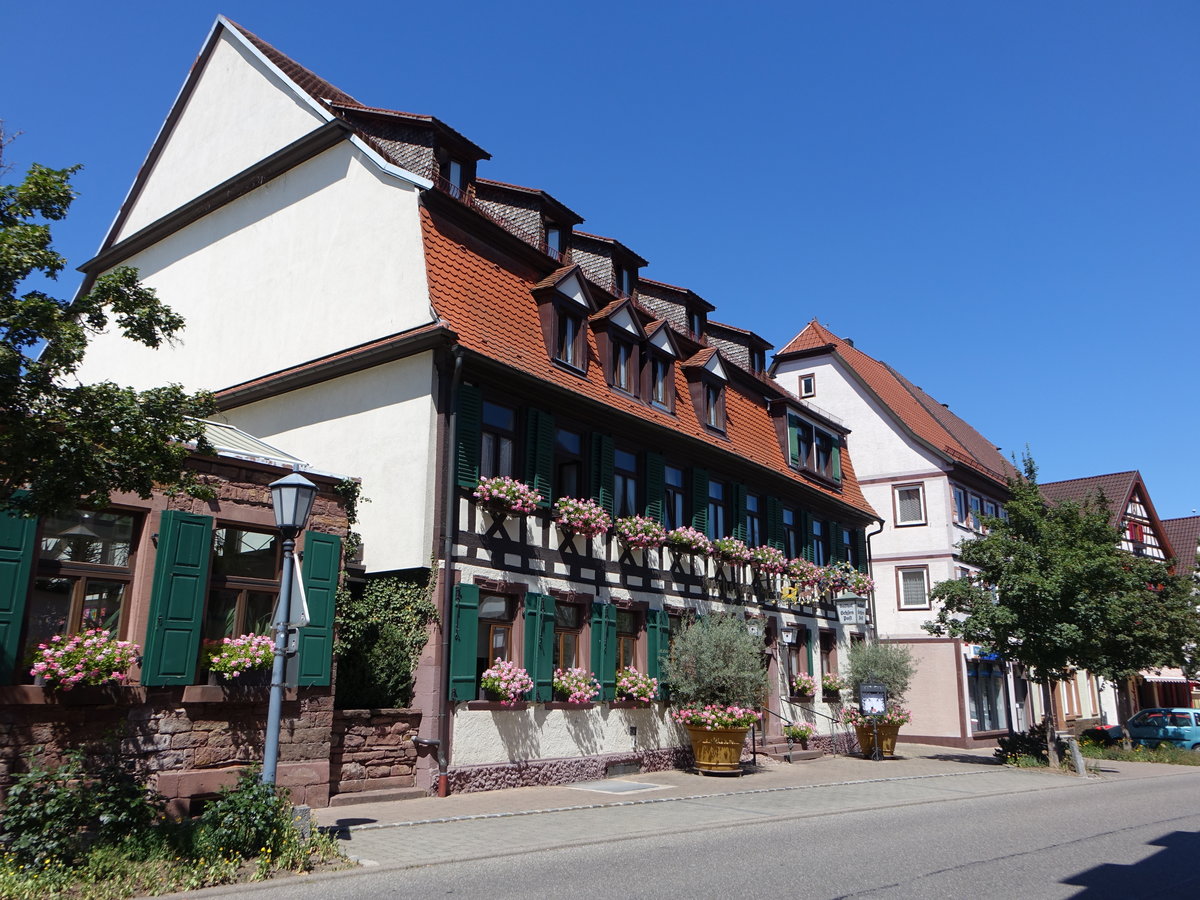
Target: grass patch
[(1163, 753)]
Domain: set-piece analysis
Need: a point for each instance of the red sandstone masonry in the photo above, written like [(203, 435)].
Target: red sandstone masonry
[(372, 749)]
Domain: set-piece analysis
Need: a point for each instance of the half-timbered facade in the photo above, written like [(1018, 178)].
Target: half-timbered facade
[(432, 328)]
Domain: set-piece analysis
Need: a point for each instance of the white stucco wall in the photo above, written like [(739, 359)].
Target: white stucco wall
[(238, 113), (483, 737), (325, 257), (379, 425)]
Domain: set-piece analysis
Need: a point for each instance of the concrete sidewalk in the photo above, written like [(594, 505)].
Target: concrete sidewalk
[(431, 830), (911, 760)]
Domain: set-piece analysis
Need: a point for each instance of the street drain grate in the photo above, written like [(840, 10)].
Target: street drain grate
[(614, 786)]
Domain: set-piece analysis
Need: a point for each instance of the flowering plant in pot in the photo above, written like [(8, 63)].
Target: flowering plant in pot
[(635, 685), (804, 685), (505, 496), (716, 716), (506, 682), (583, 517), (237, 656), (804, 575), (640, 531), (717, 677), (686, 539), (768, 560), (798, 732), (884, 727), (840, 577), (92, 657), (575, 685), (731, 550), (832, 683)]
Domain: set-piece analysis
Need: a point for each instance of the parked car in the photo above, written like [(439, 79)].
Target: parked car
[(1178, 726)]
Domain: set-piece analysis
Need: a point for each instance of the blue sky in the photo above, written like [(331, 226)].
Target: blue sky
[(1001, 200)]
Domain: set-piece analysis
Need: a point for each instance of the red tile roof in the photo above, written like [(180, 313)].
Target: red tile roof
[(929, 420), (488, 302), (1116, 489), (1184, 534)]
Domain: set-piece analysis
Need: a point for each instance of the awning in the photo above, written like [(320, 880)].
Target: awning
[(1174, 676)]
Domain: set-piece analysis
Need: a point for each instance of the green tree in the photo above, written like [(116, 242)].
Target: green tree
[(1055, 591), (64, 444)]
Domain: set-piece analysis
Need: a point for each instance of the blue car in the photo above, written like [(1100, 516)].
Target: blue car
[(1178, 726)]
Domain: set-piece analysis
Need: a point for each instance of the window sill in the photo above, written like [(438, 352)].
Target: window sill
[(87, 695), (989, 735), (218, 693), (629, 704), (909, 524), (564, 704), (802, 698), (497, 706), (567, 367)]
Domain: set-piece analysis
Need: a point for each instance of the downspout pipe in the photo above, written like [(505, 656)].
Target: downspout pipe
[(871, 572), (449, 529)]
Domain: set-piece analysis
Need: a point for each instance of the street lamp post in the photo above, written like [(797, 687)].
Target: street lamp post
[(292, 497)]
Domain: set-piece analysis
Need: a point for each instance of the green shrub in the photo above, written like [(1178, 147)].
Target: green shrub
[(381, 629), (52, 815), (1031, 743), (245, 820), (891, 665), (714, 659), (1163, 753)]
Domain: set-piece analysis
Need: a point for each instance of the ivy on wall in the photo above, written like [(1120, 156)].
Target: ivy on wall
[(382, 627)]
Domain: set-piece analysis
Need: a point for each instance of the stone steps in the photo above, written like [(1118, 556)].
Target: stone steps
[(351, 798)]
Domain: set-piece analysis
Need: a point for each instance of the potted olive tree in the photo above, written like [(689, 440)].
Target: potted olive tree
[(892, 666), (716, 675)]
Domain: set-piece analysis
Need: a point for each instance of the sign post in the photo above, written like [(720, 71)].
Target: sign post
[(872, 701)]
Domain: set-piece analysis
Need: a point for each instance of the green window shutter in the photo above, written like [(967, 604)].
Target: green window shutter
[(539, 452), (464, 642), (738, 509), (793, 441), (806, 535), (658, 640), (469, 424), (837, 551), (860, 548), (602, 471), (700, 500), (321, 568), (775, 523), (655, 485), (604, 648), (808, 646), (17, 547), (539, 645), (177, 598), (835, 459)]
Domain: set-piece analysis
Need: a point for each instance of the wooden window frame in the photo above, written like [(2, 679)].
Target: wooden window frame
[(654, 360), (504, 434), (564, 457), (673, 491), (622, 475), (900, 570), (919, 487), (576, 634)]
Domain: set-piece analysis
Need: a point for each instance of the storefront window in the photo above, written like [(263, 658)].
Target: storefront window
[(985, 683)]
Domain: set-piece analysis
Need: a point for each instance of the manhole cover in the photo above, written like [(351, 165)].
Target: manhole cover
[(615, 786)]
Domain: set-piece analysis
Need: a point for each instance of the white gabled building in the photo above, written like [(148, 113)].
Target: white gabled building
[(931, 476)]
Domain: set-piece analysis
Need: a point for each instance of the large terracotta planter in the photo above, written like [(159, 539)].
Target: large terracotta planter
[(718, 752), (887, 739)]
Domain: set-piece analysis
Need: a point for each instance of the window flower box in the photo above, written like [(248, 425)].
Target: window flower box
[(91, 658), (506, 683), (730, 550), (767, 560), (640, 531), (635, 685), (582, 517), (575, 686), (804, 685), (504, 496), (687, 541)]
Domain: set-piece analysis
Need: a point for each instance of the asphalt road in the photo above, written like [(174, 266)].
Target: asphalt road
[(1099, 839)]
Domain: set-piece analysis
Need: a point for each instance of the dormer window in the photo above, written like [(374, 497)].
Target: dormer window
[(758, 361), (813, 449), (623, 355), (714, 406), (454, 177), (696, 323), (622, 280), (553, 239), (569, 347), (564, 303), (660, 374)]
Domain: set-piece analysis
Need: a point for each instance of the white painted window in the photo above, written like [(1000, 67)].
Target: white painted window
[(961, 512), (914, 589), (808, 385), (910, 505)]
